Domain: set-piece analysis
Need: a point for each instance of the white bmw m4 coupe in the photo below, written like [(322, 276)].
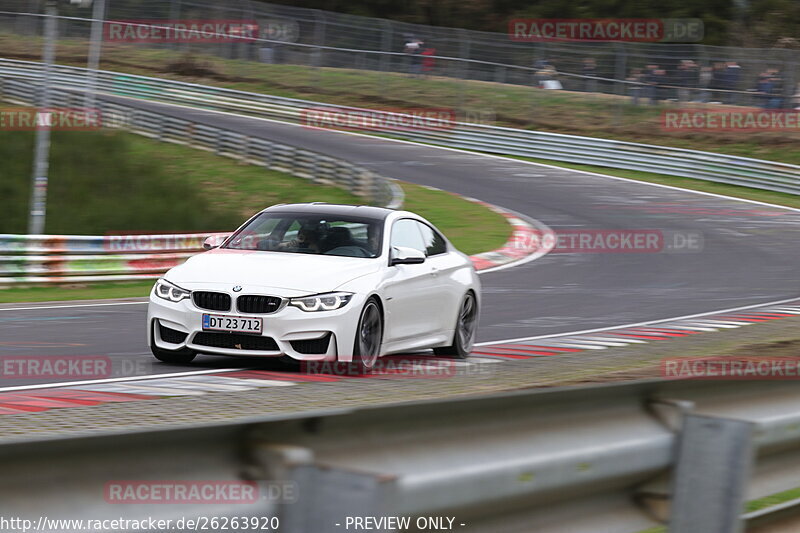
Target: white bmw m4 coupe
[(319, 282)]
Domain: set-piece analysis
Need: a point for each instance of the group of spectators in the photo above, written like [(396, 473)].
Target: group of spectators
[(721, 82), (688, 81)]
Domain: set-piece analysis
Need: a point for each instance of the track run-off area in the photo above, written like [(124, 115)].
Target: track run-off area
[(742, 269)]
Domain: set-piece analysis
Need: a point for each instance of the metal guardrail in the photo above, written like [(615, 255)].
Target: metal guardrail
[(619, 458), (86, 258), (708, 166)]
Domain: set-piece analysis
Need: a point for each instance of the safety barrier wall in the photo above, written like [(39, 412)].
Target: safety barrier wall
[(617, 458)]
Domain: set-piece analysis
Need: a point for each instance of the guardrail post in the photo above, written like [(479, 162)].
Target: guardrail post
[(245, 149), (268, 158), (335, 493), (713, 468), (160, 132), (314, 168), (218, 140)]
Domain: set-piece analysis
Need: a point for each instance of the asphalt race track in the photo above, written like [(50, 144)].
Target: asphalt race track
[(749, 253)]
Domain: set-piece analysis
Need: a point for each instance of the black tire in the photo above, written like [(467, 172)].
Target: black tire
[(175, 357), (369, 337), (289, 363), (466, 326)]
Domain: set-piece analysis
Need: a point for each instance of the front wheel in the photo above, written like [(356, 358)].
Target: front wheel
[(175, 357), (466, 326), (369, 337)]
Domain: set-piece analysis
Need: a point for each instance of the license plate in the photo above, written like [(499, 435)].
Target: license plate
[(239, 324)]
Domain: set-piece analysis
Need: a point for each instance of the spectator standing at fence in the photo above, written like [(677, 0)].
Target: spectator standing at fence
[(776, 94), (704, 81), (589, 72), (636, 87), (733, 73), (764, 89), (651, 79), (694, 79), (545, 75), (540, 67), (428, 61), (686, 79), (717, 82), (796, 98), (413, 49), (661, 91)]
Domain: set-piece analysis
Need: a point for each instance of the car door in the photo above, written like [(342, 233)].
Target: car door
[(447, 288), (410, 300)]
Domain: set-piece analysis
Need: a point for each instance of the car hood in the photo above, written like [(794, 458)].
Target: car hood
[(296, 274)]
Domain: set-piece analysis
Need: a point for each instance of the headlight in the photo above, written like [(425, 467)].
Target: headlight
[(322, 302), (169, 291)]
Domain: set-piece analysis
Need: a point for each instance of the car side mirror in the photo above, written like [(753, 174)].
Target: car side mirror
[(210, 242), (401, 255)]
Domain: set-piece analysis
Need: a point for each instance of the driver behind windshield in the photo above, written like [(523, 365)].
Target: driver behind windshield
[(307, 240)]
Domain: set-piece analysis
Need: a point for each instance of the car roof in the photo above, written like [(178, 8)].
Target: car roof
[(321, 208)]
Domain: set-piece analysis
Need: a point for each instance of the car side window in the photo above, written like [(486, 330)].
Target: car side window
[(405, 232), (434, 242)]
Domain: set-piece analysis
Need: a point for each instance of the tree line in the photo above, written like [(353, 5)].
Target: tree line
[(746, 23)]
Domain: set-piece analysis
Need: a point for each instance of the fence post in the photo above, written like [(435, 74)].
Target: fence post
[(620, 71), (386, 46), (95, 49), (464, 51), (319, 40)]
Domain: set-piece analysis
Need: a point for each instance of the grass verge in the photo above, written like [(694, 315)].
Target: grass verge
[(77, 292), (753, 505), (164, 187), (470, 227), (112, 181)]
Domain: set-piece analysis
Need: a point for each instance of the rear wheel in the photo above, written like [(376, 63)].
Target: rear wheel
[(369, 337), (466, 326)]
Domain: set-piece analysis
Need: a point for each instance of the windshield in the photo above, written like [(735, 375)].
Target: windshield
[(304, 233)]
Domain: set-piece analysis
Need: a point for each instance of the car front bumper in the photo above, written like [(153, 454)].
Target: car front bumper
[(287, 328)]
